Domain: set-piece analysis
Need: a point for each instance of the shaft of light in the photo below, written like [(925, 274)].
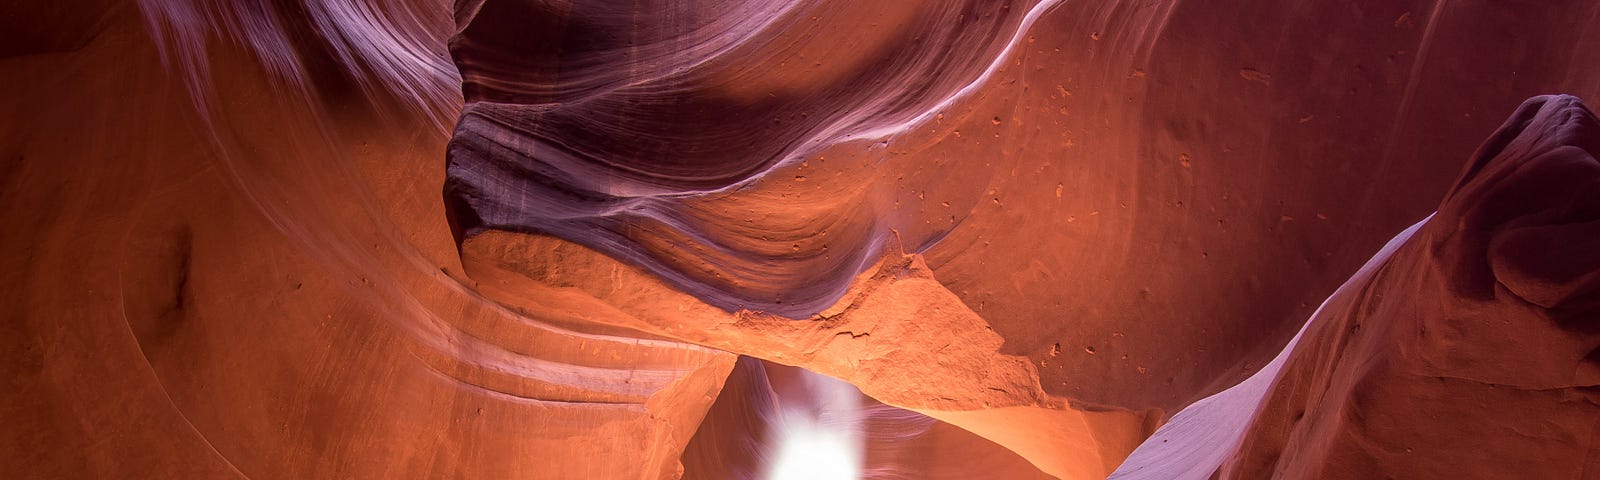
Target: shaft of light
[(820, 441)]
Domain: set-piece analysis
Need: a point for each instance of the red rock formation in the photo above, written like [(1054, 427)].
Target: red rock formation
[(280, 297), (1050, 224), (1461, 351), (1471, 354)]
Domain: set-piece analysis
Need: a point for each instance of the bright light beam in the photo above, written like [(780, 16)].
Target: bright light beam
[(824, 442)]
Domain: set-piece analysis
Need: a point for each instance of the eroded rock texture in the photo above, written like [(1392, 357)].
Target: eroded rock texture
[(1461, 351), (1044, 227), (1139, 216)]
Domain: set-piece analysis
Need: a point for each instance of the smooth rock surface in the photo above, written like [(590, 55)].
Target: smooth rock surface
[(500, 239)]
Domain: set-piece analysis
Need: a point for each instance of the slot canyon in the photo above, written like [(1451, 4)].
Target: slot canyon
[(800, 239)]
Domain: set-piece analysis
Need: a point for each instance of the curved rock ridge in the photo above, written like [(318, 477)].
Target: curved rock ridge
[(898, 334), (1202, 436), (268, 289), (1138, 197), (1050, 224), (1475, 328), (609, 125)]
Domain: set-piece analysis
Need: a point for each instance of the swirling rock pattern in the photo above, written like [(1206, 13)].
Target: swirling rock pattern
[(1103, 188), (266, 287), (1052, 224), (611, 128), (1140, 214)]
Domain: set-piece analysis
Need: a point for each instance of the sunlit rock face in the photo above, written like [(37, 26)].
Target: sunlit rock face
[(501, 239)]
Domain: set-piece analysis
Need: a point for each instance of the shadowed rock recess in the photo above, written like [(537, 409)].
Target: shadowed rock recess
[(774, 239)]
